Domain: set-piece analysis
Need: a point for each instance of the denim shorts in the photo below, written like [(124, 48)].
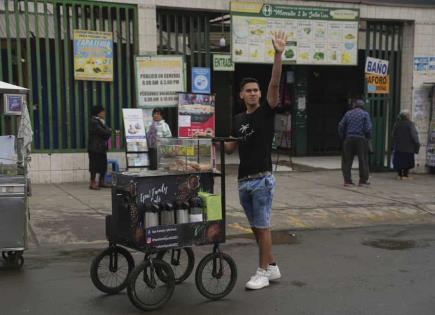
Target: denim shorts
[(256, 199)]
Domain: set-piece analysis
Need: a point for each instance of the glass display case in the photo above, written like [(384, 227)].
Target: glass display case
[(185, 155)]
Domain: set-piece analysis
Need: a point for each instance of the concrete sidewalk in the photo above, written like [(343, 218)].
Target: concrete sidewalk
[(73, 214)]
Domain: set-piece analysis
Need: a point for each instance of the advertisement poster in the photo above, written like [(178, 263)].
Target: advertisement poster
[(13, 104), (425, 65), (134, 130), (201, 80), (322, 36), (196, 115), (158, 80), (93, 55), (377, 84)]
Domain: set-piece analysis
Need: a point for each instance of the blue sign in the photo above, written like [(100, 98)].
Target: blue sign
[(201, 80), (13, 104)]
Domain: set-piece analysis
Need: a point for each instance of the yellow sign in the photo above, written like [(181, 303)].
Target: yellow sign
[(377, 84), (93, 55), (246, 7)]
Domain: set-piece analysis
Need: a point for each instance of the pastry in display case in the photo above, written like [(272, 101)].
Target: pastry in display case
[(185, 155)]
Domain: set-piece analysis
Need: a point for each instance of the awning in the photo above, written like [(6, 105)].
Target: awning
[(10, 88)]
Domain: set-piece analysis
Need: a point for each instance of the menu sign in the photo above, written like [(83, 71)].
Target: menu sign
[(327, 36)]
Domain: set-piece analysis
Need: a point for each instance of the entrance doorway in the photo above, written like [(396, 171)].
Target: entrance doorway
[(329, 93)]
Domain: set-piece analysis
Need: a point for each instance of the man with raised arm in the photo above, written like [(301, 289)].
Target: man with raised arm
[(254, 130)]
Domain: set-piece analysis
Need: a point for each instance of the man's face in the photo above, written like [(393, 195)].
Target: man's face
[(250, 94)]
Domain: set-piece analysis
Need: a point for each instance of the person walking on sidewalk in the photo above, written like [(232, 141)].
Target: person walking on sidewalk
[(99, 133), (254, 130), (405, 145), (354, 130)]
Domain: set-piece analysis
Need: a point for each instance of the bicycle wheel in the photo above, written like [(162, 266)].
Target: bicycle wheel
[(146, 289), (110, 269), (216, 275), (181, 261)]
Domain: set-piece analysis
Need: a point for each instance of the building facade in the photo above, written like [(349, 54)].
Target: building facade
[(37, 52)]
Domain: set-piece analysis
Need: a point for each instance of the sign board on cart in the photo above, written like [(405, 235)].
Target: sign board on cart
[(323, 36), (158, 80), (196, 115), (13, 104)]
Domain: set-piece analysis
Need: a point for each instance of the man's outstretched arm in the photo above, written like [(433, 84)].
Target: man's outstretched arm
[(279, 39)]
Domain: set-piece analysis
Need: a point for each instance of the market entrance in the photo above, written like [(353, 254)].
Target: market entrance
[(330, 90)]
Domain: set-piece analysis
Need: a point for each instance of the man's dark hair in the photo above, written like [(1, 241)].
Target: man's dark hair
[(248, 80), (157, 110)]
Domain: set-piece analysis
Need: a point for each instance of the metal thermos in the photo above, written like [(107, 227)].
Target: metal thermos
[(181, 212), (195, 211), (151, 215), (167, 214)]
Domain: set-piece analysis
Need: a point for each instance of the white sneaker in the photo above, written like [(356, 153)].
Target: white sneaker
[(259, 280), (273, 272)]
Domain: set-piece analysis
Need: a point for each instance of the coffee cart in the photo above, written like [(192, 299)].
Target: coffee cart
[(14, 181), (139, 221)]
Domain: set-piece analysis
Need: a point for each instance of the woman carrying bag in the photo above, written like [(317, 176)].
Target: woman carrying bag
[(405, 145)]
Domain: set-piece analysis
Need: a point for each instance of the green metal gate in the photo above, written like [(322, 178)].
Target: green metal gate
[(36, 51), (384, 40)]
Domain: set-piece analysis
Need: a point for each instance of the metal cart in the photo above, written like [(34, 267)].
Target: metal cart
[(14, 182), (168, 255)]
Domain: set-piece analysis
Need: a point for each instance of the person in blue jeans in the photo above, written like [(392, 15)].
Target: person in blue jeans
[(254, 130)]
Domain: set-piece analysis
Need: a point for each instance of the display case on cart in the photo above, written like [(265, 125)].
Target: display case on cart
[(163, 213)]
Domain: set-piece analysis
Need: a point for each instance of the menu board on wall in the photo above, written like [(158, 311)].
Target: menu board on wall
[(325, 36)]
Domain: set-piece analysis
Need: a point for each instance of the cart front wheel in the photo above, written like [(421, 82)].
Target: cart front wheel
[(216, 276), (151, 284), (111, 268), (14, 259), (181, 260)]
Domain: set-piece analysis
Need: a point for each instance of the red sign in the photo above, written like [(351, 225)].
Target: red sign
[(196, 115)]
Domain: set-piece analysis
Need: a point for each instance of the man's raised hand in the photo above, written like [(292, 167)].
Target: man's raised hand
[(279, 39)]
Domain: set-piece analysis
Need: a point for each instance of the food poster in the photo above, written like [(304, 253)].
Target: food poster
[(196, 115), (323, 36), (93, 55), (134, 130), (159, 79)]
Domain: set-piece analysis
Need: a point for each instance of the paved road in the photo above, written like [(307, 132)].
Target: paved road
[(325, 272)]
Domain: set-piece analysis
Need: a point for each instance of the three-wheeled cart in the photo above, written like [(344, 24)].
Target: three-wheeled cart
[(14, 182), (168, 255)]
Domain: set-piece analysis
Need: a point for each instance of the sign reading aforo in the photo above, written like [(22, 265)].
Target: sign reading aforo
[(376, 66), (93, 55), (377, 84), (222, 63), (159, 79), (326, 36)]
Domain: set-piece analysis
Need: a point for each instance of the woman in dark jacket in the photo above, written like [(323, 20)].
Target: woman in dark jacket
[(405, 145), (99, 133)]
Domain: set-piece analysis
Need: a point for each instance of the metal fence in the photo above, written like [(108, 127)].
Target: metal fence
[(36, 51)]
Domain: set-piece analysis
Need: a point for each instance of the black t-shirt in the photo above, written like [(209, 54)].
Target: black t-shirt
[(255, 131)]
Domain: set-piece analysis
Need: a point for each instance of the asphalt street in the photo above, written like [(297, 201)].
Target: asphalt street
[(374, 270)]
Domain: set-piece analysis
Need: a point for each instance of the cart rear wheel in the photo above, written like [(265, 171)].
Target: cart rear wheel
[(216, 276), (111, 268), (181, 260), (151, 285)]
